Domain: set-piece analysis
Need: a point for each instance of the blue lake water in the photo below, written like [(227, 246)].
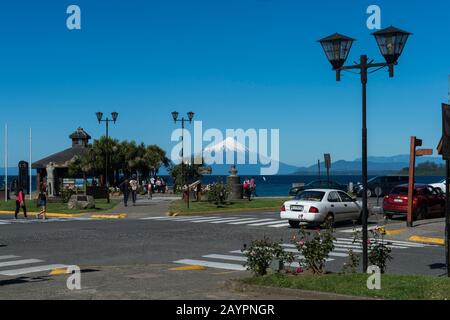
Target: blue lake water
[(273, 185)]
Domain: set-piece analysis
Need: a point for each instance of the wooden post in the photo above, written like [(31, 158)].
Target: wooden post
[(412, 167)]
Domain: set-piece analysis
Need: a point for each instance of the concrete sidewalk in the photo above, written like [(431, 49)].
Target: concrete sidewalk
[(158, 206), (431, 231)]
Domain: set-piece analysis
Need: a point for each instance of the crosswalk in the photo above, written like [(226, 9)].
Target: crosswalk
[(32, 220), (250, 221), (235, 260), (12, 265)]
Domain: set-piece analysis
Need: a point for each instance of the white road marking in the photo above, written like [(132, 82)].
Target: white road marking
[(228, 220), (19, 262), (225, 257), (215, 265), (331, 254), (397, 242), (207, 220), (280, 225), (18, 272), (265, 223), (251, 221), (8, 257)]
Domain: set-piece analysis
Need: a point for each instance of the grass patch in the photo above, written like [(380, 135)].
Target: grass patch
[(233, 206), (58, 207), (394, 287)]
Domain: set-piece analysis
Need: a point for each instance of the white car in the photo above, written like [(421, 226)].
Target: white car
[(319, 205), (440, 185)]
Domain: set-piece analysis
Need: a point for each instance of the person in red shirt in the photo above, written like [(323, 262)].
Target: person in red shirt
[(20, 203)]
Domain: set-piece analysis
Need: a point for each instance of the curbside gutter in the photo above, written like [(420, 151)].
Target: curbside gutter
[(54, 215)]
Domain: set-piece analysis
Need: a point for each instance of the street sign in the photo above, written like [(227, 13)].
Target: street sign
[(327, 157), (424, 152)]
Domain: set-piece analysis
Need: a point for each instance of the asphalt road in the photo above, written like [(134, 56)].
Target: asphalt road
[(135, 258)]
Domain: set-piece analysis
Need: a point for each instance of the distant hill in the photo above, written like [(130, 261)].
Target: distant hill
[(376, 165)]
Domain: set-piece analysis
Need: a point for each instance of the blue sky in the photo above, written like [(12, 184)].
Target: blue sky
[(236, 63)]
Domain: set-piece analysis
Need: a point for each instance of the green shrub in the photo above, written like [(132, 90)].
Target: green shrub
[(315, 247)]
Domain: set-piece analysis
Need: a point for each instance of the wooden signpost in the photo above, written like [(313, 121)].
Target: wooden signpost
[(414, 152)]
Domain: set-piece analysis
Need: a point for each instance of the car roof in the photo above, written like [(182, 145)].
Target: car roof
[(417, 185), (324, 190)]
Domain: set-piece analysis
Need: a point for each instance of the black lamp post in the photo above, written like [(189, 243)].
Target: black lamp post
[(100, 119), (391, 42), (183, 120)]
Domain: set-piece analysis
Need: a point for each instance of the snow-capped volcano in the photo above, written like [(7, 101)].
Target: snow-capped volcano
[(228, 145)]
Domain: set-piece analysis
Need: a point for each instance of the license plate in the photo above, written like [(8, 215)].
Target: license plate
[(398, 200), (296, 208)]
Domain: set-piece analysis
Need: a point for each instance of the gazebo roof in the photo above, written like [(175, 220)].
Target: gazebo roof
[(80, 134), (60, 159)]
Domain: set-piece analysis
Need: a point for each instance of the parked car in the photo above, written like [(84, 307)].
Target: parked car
[(317, 206), (386, 183), (319, 184), (427, 201), (440, 185)]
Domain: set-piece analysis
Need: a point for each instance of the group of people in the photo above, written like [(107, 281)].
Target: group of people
[(249, 187), (41, 202), (155, 185), (132, 186)]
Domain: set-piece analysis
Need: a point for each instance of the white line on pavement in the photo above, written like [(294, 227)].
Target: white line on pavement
[(18, 272), (19, 262), (215, 265), (280, 225), (225, 257), (251, 221), (229, 220), (8, 257), (265, 223)]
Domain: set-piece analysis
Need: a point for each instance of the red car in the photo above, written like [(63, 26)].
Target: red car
[(427, 202)]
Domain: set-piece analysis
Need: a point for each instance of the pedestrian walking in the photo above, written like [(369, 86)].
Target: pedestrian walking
[(125, 188), (253, 187), (42, 203), (134, 184), (150, 190), (20, 203), (247, 191)]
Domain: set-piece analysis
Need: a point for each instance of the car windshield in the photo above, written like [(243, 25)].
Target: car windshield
[(315, 196)]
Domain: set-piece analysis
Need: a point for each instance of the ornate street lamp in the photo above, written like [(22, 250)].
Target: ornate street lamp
[(190, 115), (391, 42), (100, 119)]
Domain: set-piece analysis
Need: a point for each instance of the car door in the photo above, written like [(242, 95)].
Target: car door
[(437, 200), (336, 206), (352, 210)]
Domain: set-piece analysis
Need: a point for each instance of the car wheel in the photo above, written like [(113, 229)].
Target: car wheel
[(329, 220), (294, 224), (422, 214)]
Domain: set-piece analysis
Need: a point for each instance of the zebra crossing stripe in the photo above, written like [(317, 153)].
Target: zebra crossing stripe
[(227, 220), (209, 264), (8, 257), (207, 220), (19, 272), (396, 242), (331, 254), (225, 257), (265, 223), (156, 218), (279, 225), (251, 221), (19, 262)]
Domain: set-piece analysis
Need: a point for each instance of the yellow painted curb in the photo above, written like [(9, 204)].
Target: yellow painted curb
[(395, 232), (110, 216), (58, 272), (55, 215), (428, 240), (189, 268)]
